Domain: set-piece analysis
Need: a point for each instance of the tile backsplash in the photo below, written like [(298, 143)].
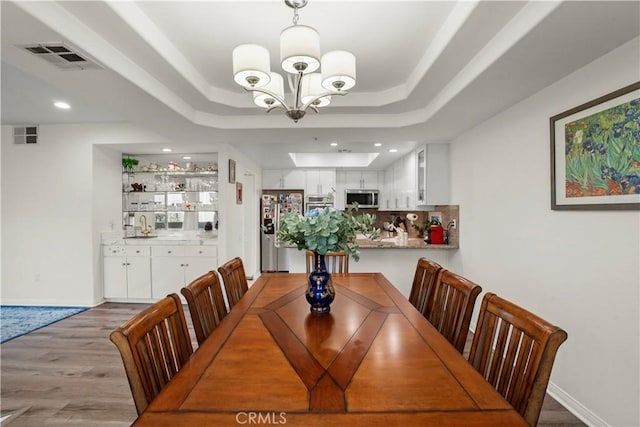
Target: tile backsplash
[(447, 213)]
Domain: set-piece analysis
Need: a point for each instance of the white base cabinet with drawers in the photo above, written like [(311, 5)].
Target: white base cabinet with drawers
[(141, 273), (173, 267), (127, 272)]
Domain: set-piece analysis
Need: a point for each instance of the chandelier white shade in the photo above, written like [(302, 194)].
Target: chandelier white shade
[(251, 65), (300, 49), (300, 57), (338, 70)]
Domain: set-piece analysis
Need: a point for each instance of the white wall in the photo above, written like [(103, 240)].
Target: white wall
[(234, 217), (46, 220), (56, 198), (579, 270)]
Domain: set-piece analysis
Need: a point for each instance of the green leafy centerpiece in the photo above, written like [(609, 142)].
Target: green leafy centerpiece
[(323, 230)]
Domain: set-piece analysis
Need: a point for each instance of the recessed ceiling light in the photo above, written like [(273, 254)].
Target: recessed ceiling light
[(186, 158), (167, 150), (393, 150), (61, 105), (378, 144), (334, 144)]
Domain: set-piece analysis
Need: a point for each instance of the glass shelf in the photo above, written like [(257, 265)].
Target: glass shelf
[(173, 173)]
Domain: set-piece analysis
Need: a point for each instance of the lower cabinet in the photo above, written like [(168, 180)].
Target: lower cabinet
[(173, 267), (127, 271)]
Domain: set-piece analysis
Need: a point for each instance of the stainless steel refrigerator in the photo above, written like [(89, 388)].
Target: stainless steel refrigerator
[(274, 204)]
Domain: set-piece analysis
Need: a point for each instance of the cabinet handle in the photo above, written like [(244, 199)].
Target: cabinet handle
[(138, 251), (168, 252), (199, 252), (407, 202), (124, 263), (186, 265)]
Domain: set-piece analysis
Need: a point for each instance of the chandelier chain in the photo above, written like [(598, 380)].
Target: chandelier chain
[(295, 15)]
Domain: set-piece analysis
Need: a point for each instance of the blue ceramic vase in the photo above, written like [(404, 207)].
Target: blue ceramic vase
[(320, 293)]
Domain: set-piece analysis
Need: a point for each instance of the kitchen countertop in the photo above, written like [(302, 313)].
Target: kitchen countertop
[(179, 239), (391, 243)]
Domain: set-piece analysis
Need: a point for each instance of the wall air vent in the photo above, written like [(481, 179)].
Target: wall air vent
[(25, 134), (62, 56)]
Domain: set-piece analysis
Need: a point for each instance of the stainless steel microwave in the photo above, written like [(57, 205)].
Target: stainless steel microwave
[(364, 198)]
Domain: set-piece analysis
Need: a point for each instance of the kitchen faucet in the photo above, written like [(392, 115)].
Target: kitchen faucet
[(145, 228)]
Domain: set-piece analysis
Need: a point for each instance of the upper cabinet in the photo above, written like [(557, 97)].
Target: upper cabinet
[(312, 181), (419, 180), (399, 185), (321, 181), (283, 178), (356, 180), (432, 166), (361, 180)]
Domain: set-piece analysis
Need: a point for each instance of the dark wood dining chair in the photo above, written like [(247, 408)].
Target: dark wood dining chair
[(234, 279), (423, 283), (154, 345), (451, 307), (335, 262), (206, 304), (514, 350)]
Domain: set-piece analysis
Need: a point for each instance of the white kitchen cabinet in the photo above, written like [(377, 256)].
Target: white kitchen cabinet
[(173, 267), (272, 178), (361, 180), (126, 271), (408, 186), (399, 185), (358, 180), (387, 190), (320, 181), (432, 169), (283, 178)]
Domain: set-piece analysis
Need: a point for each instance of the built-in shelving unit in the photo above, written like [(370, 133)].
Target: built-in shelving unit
[(170, 199)]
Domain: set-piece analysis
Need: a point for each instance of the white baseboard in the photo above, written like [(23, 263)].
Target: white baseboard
[(49, 302), (575, 407), (567, 401)]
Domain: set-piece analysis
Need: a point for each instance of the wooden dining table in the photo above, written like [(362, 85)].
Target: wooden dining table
[(374, 360)]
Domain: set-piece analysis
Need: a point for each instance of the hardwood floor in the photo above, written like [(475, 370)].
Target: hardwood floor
[(69, 373)]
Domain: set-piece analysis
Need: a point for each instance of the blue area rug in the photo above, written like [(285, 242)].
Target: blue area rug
[(17, 320)]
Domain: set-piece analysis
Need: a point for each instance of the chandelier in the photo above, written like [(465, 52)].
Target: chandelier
[(299, 57)]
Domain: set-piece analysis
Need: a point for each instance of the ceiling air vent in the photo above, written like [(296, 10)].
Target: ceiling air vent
[(25, 135), (62, 56)]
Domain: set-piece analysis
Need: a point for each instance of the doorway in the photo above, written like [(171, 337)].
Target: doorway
[(250, 225)]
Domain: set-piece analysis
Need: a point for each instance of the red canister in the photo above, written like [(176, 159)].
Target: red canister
[(436, 234)]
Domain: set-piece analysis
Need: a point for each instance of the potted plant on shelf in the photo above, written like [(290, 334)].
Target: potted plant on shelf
[(325, 230), (128, 163)]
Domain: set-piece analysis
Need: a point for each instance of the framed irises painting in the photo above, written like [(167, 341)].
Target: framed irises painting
[(595, 153)]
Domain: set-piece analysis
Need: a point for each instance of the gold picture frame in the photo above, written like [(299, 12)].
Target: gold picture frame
[(232, 171)]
